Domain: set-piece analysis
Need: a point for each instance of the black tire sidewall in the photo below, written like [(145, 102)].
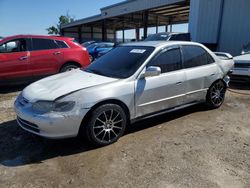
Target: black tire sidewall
[(209, 100), (66, 67), (95, 114)]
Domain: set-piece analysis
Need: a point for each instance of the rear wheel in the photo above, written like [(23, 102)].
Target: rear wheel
[(216, 94), (69, 67), (106, 125)]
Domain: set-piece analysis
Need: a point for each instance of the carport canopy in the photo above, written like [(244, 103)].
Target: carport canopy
[(130, 14)]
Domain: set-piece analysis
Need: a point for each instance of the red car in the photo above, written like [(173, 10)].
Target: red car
[(30, 57)]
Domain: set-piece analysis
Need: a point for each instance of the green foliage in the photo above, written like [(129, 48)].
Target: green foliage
[(63, 19)]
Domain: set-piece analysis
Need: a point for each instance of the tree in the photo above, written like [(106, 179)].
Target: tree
[(63, 19)]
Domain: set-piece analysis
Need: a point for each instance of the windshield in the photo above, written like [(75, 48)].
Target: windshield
[(158, 37), (246, 49), (92, 45), (120, 62), (86, 44)]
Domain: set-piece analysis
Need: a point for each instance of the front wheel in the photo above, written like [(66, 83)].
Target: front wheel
[(68, 67), (106, 125), (216, 94)]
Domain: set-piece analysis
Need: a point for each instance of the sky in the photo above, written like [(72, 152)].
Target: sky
[(34, 16)]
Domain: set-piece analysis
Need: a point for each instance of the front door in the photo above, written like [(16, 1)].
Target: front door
[(14, 60), (154, 94)]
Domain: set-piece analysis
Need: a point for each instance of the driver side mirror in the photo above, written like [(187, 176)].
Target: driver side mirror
[(152, 71)]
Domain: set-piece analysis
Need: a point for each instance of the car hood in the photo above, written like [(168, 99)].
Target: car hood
[(52, 87), (242, 58)]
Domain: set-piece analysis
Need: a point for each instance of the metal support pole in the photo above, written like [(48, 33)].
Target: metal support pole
[(104, 30), (115, 38), (171, 25), (166, 28), (145, 24), (92, 32), (80, 34), (62, 32), (123, 32), (156, 28), (137, 34)]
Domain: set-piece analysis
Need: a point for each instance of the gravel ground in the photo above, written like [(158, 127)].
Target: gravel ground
[(194, 147)]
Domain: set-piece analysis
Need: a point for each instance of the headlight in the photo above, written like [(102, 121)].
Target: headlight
[(43, 107)]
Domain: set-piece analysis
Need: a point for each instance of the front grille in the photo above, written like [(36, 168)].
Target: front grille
[(28, 125), (242, 65), (240, 78)]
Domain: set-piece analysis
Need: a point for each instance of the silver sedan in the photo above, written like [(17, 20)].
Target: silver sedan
[(131, 82)]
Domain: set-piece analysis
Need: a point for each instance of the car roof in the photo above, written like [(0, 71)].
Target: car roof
[(245, 57), (39, 36), (169, 33), (157, 44)]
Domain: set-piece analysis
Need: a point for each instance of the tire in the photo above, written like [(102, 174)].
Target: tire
[(69, 67), (106, 125), (216, 94)]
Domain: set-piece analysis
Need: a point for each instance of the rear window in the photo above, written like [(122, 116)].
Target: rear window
[(195, 56), (43, 44), (61, 44)]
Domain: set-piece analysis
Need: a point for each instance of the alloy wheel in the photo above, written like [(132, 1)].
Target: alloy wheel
[(108, 126), (217, 93)]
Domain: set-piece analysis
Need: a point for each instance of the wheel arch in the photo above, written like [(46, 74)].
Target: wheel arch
[(70, 63), (109, 101), (217, 80)]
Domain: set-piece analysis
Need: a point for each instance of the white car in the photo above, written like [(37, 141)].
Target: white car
[(131, 82), (241, 70)]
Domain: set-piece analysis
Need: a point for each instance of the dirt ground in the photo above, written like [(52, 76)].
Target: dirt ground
[(194, 147)]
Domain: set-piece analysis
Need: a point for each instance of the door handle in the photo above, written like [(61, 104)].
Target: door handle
[(178, 83), (23, 58), (212, 74), (57, 53)]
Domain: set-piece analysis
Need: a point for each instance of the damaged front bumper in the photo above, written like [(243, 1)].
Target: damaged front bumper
[(50, 125)]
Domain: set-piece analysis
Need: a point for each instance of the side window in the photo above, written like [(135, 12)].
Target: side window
[(210, 59), (101, 45), (18, 45), (167, 60), (195, 56), (61, 44), (43, 44)]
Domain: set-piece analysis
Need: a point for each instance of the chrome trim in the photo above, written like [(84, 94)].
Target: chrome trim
[(161, 100)]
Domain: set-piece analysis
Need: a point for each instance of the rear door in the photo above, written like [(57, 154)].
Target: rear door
[(200, 71), (45, 57), (164, 91), (14, 60)]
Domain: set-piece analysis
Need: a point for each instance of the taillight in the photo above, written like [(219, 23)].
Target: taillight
[(84, 49)]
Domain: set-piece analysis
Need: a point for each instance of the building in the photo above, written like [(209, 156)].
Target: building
[(222, 25)]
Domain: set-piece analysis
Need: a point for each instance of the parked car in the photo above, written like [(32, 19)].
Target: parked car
[(101, 53), (98, 47), (167, 36), (131, 82), (241, 70), (246, 49), (29, 57), (87, 43)]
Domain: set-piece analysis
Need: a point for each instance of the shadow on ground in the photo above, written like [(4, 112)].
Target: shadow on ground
[(18, 147), (10, 89)]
